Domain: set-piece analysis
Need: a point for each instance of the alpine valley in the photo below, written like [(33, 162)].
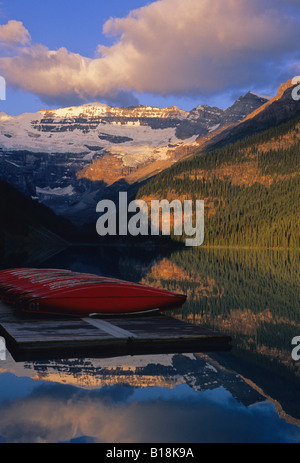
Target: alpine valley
[(242, 161), (70, 158)]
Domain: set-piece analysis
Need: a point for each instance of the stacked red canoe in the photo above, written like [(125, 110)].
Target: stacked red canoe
[(63, 292)]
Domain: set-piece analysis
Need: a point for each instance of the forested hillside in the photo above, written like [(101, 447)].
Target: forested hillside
[(251, 189), (25, 222)]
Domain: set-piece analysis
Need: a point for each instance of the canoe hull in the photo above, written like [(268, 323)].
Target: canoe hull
[(102, 306), (76, 294)]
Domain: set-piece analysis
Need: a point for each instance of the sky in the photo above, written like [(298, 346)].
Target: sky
[(161, 53)]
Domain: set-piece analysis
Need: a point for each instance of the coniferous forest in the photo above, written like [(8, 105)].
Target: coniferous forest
[(251, 189)]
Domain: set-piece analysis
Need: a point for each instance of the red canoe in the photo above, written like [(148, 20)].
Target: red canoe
[(63, 292)]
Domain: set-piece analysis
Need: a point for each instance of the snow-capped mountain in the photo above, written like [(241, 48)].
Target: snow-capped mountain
[(89, 128), (64, 157)]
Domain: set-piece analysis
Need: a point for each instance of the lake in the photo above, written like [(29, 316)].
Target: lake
[(249, 394)]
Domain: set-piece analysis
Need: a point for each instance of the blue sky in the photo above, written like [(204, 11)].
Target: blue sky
[(167, 53), (74, 24)]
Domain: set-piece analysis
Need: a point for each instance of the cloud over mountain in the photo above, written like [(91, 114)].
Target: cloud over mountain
[(168, 47)]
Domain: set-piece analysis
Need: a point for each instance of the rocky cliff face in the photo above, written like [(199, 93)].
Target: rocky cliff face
[(274, 112), (50, 155), (204, 120)]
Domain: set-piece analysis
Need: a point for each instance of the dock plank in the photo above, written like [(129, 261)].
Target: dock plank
[(37, 334)]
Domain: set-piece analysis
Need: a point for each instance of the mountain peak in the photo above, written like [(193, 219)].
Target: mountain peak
[(252, 95), (275, 111), (280, 92), (96, 110), (4, 117), (258, 95)]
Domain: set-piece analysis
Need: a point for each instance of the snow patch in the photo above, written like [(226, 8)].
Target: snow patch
[(214, 127), (67, 191)]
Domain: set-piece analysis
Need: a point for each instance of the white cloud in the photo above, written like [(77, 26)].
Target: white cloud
[(167, 47), (13, 33)]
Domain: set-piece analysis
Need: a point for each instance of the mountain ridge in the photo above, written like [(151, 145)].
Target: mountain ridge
[(249, 186), (67, 156), (272, 113)]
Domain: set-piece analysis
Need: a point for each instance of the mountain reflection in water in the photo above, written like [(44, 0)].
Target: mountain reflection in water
[(135, 399), (250, 394)]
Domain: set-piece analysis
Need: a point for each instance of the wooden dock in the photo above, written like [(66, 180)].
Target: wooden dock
[(33, 337)]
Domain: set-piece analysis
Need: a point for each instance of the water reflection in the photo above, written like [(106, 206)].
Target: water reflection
[(139, 399), (250, 394), (251, 295)]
